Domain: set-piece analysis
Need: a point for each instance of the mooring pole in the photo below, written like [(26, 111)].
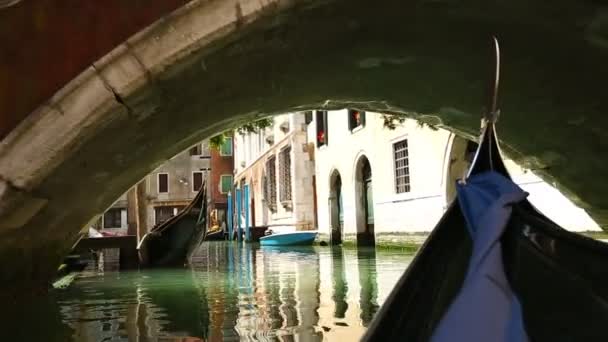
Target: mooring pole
[(238, 214), (246, 203), (229, 217)]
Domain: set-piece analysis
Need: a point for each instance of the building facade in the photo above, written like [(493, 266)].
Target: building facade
[(277, 165), (341, 172), (374, 182), (168, 189), (174, 184), (115, 218)]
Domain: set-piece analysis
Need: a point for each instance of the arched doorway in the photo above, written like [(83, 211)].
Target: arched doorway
[(336, 208), (364, 203)]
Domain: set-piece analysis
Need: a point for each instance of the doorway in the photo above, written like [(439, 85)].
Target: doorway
[(365, 203), (336, 208)]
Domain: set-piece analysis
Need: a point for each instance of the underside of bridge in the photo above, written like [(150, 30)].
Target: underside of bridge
[(210, 64)]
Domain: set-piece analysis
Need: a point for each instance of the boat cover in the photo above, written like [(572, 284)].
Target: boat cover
[(486, 308)]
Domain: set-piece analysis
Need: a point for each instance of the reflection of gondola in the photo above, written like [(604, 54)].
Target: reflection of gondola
[(181, 299), (172, 242), (560, 278)]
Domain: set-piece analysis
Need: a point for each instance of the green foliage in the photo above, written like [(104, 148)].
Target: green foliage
[(255, 126), (217, 141), (391, 121)]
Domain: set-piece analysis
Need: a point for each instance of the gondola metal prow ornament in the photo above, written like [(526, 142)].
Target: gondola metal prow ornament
[(491, 112)]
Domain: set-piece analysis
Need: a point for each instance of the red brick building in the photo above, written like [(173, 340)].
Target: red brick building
[(220, 182)]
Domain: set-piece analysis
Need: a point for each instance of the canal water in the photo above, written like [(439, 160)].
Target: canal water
[(233, 292)]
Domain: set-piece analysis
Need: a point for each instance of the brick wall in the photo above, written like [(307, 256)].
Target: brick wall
[(220, 165)]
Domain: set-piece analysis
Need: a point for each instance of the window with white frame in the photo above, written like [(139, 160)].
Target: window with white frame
[(225, 183), (197, 180), (321, 120), (402, 167), (163, 183), (285, 174), (196, 150), (356, 118), (226, 148)]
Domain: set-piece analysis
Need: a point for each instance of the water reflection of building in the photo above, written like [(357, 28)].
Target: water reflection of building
[(340, 286), (368, 298), (240, 292)]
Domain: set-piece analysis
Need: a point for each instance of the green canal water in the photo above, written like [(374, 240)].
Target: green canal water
[(230, 293)]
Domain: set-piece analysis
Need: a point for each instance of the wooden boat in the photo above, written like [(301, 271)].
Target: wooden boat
[(216, 235), (560, 278), (301, 238), (172, 242)]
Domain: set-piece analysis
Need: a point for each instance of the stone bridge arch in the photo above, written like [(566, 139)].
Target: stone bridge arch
[(211, 64)]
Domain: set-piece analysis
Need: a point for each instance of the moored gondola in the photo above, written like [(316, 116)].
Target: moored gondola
[(172, 242), (558, 279)]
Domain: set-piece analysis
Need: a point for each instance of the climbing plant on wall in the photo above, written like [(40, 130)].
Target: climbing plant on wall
[(391, 121), (254, 126)]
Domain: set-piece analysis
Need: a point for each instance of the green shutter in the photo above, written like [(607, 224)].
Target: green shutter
[(226, 184), (226, 149)]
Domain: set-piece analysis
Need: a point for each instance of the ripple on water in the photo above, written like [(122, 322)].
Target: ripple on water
[(234, 292)]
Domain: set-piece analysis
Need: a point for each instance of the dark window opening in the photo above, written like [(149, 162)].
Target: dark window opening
[(162, 214), (197, 181), (196, 150), (356, 118), (163, 183), (308, 117), (111, 218), (321, 119)]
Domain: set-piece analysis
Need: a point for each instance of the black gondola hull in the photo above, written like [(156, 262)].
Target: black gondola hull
[(172, 247), (560, 278), (172, 242)]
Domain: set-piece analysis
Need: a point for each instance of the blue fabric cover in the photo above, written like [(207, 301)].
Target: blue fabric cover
[(486, 309)]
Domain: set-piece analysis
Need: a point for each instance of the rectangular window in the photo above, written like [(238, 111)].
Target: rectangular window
[(196, 150), (162, 214), (308, 117), (197, 180), (285, 174), (321, 119), (356, 118), (402, 167), (111, 218), (163, 183), (226, 148), (225, 183), (271, 183)]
